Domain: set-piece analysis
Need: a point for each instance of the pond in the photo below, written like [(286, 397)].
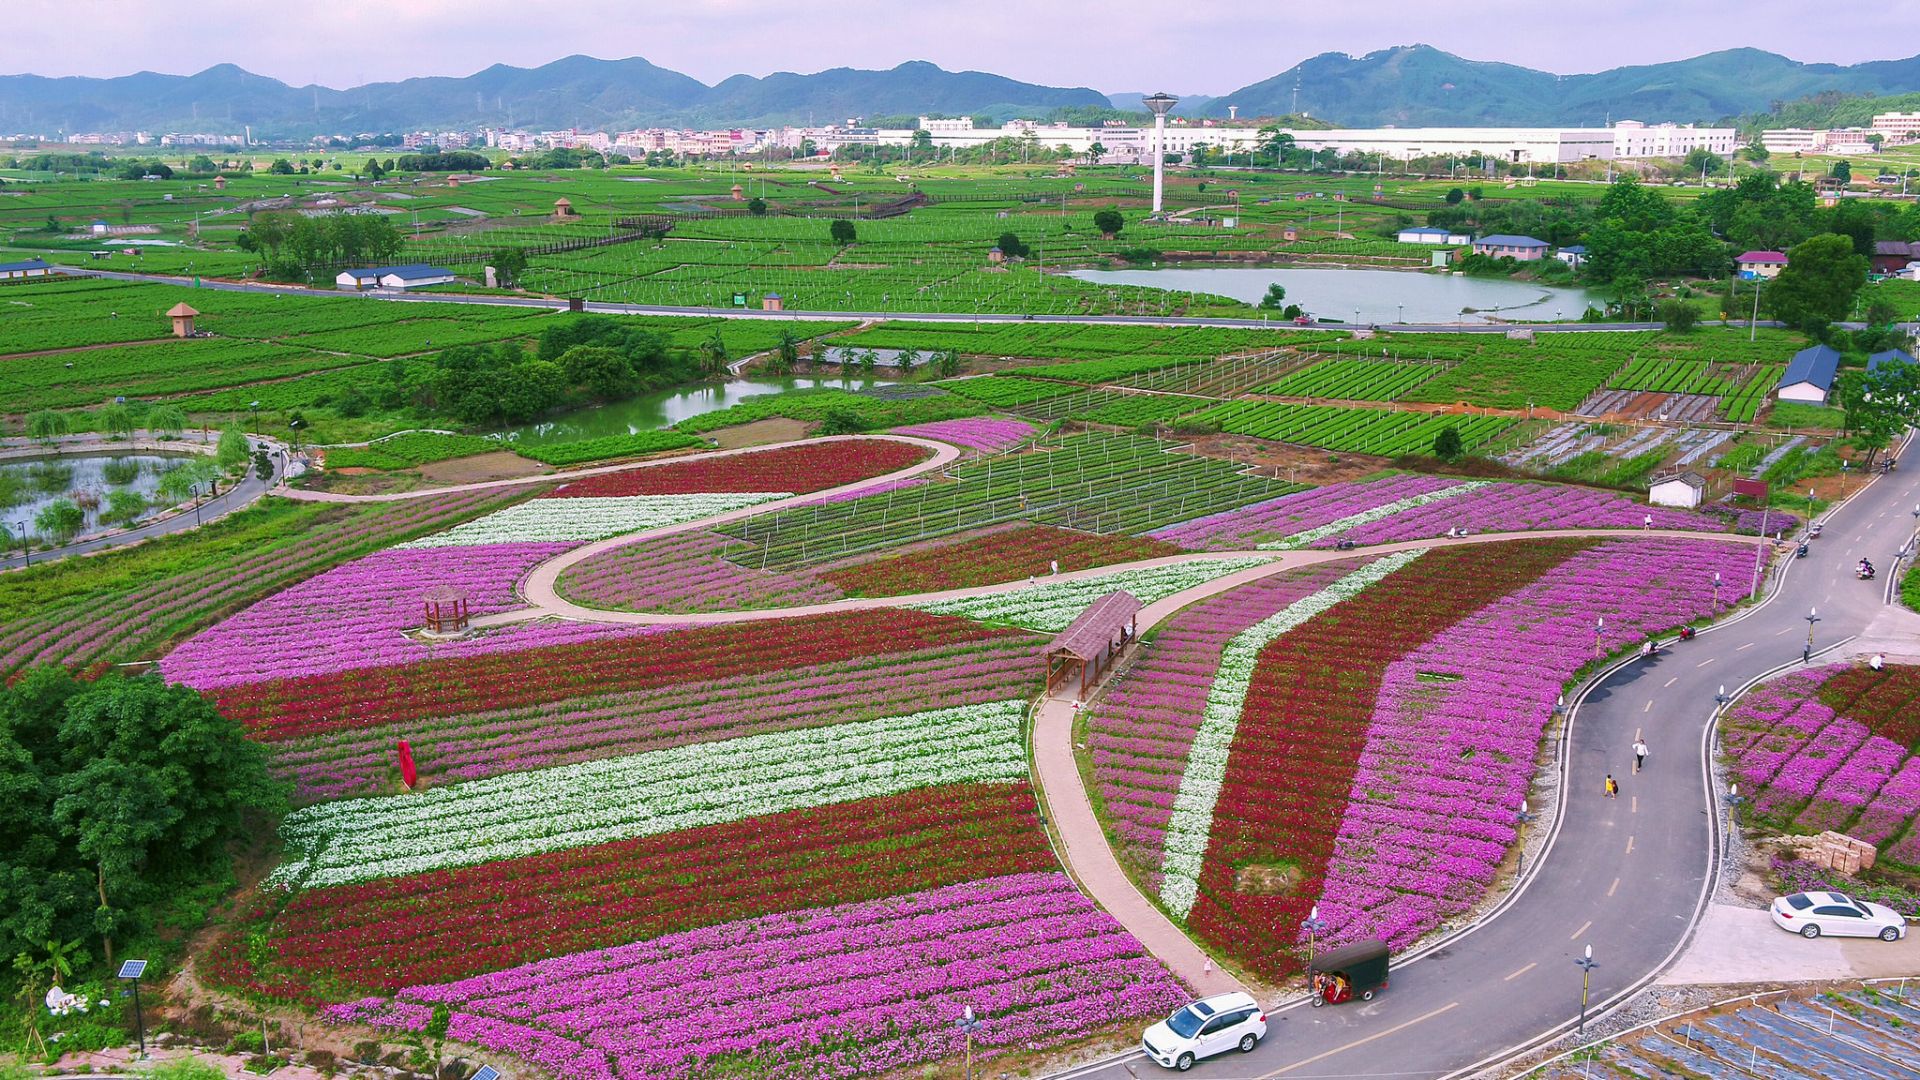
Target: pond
[(664, 408), (29, 485), (1379, 296)]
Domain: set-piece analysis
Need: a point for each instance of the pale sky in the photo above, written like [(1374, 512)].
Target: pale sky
[(1188, 47)]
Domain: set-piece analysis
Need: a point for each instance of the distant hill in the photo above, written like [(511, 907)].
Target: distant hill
[(1405, 86), (1827, 110), (575, 92), (1413, 85)]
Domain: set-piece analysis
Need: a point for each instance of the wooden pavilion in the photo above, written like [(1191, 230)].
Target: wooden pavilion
[(1089, 646), (446, 610)]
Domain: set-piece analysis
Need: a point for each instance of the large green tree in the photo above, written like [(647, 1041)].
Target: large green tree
[(1818, 285)]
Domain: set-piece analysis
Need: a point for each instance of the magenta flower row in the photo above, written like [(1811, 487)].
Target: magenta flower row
[(977, 434), (1503, 507), (1275, 519), (685, 572), (856, 990)]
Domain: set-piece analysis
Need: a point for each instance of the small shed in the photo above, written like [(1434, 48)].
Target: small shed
[(563, 208), (446, 610), (739, 193), (1681, 489), (1091, 643), (182, 317), (219, 183), (772, 302), (1809, 375), (995, 255)]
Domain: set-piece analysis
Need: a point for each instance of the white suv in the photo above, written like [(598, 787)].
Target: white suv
[(1209, 1026)]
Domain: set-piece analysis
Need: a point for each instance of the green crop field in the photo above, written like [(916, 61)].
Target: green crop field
[(1385, 432), (1354, 380)]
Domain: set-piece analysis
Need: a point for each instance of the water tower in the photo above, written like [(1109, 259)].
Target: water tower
[(1160, 105)]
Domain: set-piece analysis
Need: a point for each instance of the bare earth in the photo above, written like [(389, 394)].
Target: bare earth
[(776, 429), (499, 465)]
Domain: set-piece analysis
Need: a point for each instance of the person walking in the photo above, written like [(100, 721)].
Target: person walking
[(1639, 755), (1877, 662), (1613, 787)]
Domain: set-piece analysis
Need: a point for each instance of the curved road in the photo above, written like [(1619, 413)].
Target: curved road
[(1628, 876)]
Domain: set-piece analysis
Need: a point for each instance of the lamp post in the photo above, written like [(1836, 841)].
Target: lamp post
[(1599, 628), (26, 543), (253, 407), (1733, 815), (1586, 965), (1522, 816), (131, 970), (968, 1024), (1813, 616), (1716, 590), (1721, 699)]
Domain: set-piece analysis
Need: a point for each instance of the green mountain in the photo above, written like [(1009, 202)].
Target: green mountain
[(1413, 85), (575, 92)]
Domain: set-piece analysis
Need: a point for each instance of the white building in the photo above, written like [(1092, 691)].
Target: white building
[(1684, 490), (1633, 139), (29, 268), (1898, 127), (410, 276)]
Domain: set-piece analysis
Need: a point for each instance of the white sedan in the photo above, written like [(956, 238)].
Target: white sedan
[(1811, 914)]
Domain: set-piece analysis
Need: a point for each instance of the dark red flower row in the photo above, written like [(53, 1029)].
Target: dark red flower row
[(1291, 766), (452, 924), (1008, 555), (795, 469), (1887, 701), (365, 697)]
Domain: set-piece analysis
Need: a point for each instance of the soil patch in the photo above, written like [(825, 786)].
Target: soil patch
[(1305, 465), (759, 433), (498, 465)]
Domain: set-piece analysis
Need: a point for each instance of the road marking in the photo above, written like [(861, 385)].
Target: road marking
[(1748, 645), (1582, 930), (1634, 805), (1629, 845), (1777, 633), (1705, 662), (1669, 682), (1449, 1006), (1521, 972), (1615, 885), (1649, 707)]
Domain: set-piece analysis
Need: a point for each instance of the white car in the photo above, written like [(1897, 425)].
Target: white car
[(1811, 914), (1209, 1026)]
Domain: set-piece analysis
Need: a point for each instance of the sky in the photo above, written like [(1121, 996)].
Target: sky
[(1190, 47)]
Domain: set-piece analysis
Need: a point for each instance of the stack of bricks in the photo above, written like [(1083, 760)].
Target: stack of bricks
[(1834, 851)]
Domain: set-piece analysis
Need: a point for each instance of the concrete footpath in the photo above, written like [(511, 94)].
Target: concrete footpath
[(1741, 945)]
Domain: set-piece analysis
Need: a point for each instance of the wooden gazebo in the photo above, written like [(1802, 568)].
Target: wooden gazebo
[(1091, 643), (446, 610)]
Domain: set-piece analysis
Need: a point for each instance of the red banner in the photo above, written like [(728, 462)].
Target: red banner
[(408, 774), (1753, 489)]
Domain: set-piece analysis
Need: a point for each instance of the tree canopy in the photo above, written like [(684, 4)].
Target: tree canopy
[(1819, 282)]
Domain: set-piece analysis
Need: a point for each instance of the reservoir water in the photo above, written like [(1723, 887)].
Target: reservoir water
[(664, 408), (1369, 296)]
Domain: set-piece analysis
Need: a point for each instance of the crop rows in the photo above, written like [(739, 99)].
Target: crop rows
[(1385, 432), (1354, 380)]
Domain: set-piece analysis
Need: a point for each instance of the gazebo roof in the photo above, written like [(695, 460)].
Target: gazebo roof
[(1097, 626), (181, 310), (445, 594)]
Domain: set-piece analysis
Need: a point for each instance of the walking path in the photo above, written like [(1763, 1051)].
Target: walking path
[(1736, 944)]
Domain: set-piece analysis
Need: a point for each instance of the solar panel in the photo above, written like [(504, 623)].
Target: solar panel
[(133, 969), (487, 1072)]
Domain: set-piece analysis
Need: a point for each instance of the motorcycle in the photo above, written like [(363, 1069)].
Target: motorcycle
[(1801, 551), (1813, 532), (1864, 573)]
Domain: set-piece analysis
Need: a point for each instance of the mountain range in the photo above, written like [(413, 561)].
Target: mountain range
[(1404, 86)]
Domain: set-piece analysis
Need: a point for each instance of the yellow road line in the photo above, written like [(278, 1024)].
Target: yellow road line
[(1629, 845), (1521, 972), (1615, 885), (1582, 930), (1705, 662), (1669, 682), (1449, 1006)]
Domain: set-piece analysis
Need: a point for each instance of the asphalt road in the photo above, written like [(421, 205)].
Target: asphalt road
[(1628, 875), (234, 497)]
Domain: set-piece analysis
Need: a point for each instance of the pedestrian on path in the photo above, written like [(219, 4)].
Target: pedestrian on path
[(1639, 755), (1878, 661), (1613, 787), (1056, 567)]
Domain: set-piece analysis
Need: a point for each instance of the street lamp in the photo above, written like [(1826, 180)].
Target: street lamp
[(1734, 800), (1721, 699), (1522, 816), (1716, 590), (1599, 627), (26, 543), (131, 970), (1586, 965), (1813, 616), (968, 1024)]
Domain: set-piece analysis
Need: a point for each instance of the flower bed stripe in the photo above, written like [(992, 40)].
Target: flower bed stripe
[(980, 433), (798, 469), (1368, 517), (684, 572), (1292, 765), (582, 520), (992, 558), (452, 924), (1273, 519), (646, 794), (850, 991), (1191, 824), (371, 697), (1051, 605)]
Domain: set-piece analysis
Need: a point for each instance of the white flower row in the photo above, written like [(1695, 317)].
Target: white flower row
[(1191, 826), (663, 791), (1368, 517), (587, 519), (1051, 605)]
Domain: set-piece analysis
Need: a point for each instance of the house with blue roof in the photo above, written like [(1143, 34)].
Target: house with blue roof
[(28, 268), (410, 276), (1809, 376), (1874, 362), (1428, 234), (1504, 246)]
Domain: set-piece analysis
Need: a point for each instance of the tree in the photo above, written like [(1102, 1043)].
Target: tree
[(116, 420), (123, 507), (1447, 445), (46, 425), (949, 363), (1109, 222), (908, 359), (1011, 246), (60, 519), (713, 356), (1095, 152), (1757, 150), (1701, 161), (1854, 220), (437, 1024), (166, 421), (281, 167), (603, 373), (233, 451), (1819, 282), (1275, 299), (1679, 315), (1841, 171), (373, 169), (869, 361), (841, 231), (509, 266), (1455, 196), (757, 206)]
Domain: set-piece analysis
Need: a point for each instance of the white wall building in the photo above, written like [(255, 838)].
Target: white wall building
[(1898, 127), (1684, 490), (1633, 139)]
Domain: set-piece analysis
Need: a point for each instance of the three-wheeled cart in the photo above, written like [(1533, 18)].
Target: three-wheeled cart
[(1356, 970)]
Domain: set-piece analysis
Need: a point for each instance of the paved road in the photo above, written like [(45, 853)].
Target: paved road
[(1626, 875), (235, 497), (913, 316)]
